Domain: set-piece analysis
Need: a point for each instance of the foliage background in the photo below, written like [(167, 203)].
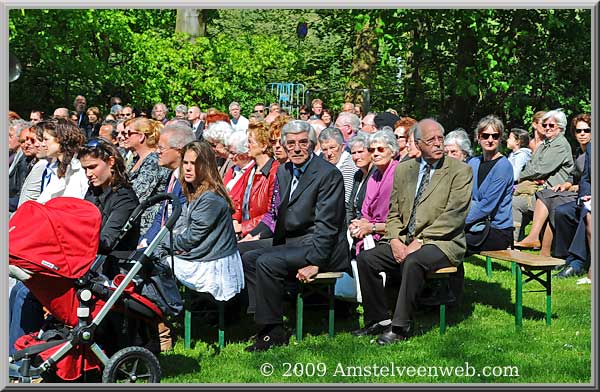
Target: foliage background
[(456, 65)]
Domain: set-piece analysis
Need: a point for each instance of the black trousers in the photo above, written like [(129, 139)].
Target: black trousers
[(566, 220), (266, 272), (412, 272), (497, 239)]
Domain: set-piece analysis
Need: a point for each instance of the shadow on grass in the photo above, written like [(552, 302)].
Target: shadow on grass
[(173, 365)]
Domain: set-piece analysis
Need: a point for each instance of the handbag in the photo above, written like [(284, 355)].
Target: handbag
[(159, 286), (480, 228)]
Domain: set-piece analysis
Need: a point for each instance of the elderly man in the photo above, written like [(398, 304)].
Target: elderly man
[(32, 187), (310, 234), (61, 113), (348, 107), (160, 112), (238, 122), (181, 112), (197, 123), (368, 123), (425, 232), (332, 145), (19, 161), (80, 105), (348, 123)]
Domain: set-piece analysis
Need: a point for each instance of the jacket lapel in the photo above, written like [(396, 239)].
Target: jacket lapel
[(436, 178), (309, 175)]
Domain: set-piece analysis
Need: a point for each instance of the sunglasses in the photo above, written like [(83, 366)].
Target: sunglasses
[(583, 130), (303, 113), (550, 125), (95, 145), (259, 111), (486, 136), (379, 149), (127, 133), (400, 137)]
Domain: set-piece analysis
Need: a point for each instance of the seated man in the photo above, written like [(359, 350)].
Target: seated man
[(425, 232), (309, 237)]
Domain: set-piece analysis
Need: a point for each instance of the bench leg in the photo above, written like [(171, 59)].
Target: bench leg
[(221, 306), (299, 314), (513, 268), (488, 266), (548, 298), (442, 319), (519, 298), (331, 295), (187, 320)]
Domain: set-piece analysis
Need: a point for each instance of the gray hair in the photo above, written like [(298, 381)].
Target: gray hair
[(459, 137), (559, 116), (417, 131), (218, 131), (181, 122), (112, 123), (178, 135), (360, 139), (331, 134), (181, 108), (386, 137), (19, 125), (161, 105), (298, 126), (350, 118), (491, 121), (239, 140), (231, 105), (116, 109)]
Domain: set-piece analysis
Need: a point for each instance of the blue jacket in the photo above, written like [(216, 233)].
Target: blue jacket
[(163, 212), (585, 184), (496, 190)]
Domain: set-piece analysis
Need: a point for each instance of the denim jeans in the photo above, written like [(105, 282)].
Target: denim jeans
[(26, 314)]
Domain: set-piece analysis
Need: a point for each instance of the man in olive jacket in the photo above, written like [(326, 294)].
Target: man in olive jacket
[(425, 232)]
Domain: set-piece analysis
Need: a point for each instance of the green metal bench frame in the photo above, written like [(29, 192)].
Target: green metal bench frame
[(323, 283), (188, 320)]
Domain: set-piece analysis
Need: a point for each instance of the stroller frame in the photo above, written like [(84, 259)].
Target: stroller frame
[(83, 333)]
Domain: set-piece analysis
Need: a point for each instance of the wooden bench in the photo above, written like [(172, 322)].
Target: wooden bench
[(534, 267), (187, 335), (323, 283), (443, 273)]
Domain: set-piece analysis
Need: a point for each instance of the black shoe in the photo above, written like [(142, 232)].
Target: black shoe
[(568, 272), (393, 335), (373, 329), (277, 336)]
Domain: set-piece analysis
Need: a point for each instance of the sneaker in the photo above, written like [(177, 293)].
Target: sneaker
[(276, 336), (585, 280)]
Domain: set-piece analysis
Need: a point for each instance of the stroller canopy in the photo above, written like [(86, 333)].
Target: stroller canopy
[(61, 236)]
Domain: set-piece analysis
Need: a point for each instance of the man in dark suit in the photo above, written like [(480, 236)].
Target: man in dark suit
[(425, 232), (80, 105), (310, 233)]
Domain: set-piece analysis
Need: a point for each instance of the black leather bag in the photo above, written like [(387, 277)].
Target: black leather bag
[(480, 228)]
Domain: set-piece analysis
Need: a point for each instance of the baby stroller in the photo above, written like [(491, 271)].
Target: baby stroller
[(52, 249)]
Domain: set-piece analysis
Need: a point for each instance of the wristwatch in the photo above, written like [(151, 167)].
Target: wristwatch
[(373, 229)]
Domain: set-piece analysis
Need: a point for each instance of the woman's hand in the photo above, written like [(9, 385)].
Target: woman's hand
[(360, 228), (562, 187)]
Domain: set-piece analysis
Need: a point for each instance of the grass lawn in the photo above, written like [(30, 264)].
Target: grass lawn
[(481, 333)]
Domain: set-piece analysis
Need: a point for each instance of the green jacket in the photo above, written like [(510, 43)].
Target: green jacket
[(552, 162)]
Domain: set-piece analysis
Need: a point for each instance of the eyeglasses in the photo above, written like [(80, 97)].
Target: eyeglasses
[(127, 133), (303, 113), (430, 142), (400, 137), (290, 144), (549, 125), (583, 130), (486, 136), (126, 114), (380, 149), (162, 149)]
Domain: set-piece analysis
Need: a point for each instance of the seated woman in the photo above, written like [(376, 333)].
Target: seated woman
[(401, 128), (457, 145), (206, 256), (216, 133), (111, 191), (489, 222), (258, 192), (550, 165), (383, 147), (275, 129), (363, 160), (518, 142), (547, 200)]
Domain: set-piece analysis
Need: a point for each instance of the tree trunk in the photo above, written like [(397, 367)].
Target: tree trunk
[(363, 64), (191, 21)]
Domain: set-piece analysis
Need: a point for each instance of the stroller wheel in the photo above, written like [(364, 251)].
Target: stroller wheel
[(132, 364)]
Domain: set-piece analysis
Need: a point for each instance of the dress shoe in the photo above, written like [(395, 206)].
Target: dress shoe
[(393, 335), (568, 272), (585, 280), (528, 244), (276, 336), (372, 329)]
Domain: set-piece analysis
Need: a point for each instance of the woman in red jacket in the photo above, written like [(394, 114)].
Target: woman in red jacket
[(261, 182)]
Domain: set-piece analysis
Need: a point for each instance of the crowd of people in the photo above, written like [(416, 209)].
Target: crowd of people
[(271, 199)]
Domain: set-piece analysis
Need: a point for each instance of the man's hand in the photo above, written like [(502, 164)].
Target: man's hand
[(305, 274), (398, 250), (414, 246)]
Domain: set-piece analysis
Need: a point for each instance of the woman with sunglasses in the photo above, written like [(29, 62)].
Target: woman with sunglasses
[(547, 200), (147, 177), (65, 176), (489, 224), (206, 255), (383, 147), (550, 165), (401, 128), (111, 191)]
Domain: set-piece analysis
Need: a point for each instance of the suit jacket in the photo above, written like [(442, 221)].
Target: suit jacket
[(441, 215), (18, 172), (314, 217), (585, 184)]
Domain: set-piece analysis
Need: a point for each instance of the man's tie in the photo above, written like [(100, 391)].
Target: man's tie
[(295, 180), (413, 213)]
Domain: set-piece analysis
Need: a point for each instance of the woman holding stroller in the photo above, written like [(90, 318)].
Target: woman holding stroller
[(206, 255)]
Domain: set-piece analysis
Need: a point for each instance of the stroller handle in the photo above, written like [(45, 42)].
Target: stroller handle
[(157, 199)]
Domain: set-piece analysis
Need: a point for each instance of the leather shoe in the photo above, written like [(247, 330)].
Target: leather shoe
[(277, 336), (373, 329), (389, 336), (568, 272), (528, 244)]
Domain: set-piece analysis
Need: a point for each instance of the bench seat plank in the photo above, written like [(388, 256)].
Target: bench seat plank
[(523, 258)]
